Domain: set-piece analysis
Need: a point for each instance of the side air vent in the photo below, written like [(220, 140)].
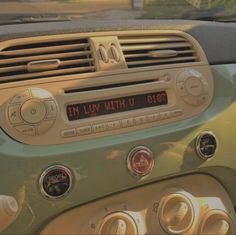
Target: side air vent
[(26, 59), (151, 50)]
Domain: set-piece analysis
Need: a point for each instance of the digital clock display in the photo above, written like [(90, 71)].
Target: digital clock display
[(116, 105)]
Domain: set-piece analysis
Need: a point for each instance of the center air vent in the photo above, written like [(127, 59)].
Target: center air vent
[(152, 50), (41, 57)]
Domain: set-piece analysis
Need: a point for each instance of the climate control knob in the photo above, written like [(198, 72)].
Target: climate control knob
[(192, 87), (216, 222), (177, 212), (117, 223), (32, 112)]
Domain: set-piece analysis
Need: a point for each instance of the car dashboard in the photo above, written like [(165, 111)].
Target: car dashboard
[(123, 127)]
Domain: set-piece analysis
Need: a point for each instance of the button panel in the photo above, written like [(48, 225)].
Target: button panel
[(32, 112), (123, 123)]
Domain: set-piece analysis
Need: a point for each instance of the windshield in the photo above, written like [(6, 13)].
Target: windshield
[(18, 11)]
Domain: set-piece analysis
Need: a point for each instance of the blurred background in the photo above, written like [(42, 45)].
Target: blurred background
[(119, 9)]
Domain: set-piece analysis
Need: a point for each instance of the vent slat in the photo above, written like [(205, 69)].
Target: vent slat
[(73, 56), (138, 55), (49, 73), (45, 57), (159, 61), (41, 50), (150, 40), (155, 46), (153, 50), (62, 63)]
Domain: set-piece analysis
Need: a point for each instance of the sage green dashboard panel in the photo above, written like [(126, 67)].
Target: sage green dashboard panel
[(99, 165)]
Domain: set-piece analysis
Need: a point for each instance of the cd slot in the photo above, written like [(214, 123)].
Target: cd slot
[(109, 86)]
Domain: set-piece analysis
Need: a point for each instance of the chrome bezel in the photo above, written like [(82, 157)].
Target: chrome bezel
[(129, 159), (45, 172), (197, 145)]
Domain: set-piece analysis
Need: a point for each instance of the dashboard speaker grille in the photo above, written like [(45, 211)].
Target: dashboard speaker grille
[(152, 50), (45, 57)]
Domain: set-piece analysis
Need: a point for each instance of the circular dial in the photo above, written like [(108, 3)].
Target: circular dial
[(216, 222), (177, 212), (55, 182), (32, 112), (206, 145), (192, 87), (117, 223), (140, 161)]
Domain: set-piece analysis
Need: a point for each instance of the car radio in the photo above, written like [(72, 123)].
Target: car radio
[(101, 106)]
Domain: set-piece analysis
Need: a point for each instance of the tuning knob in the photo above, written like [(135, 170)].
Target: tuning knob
[(177, 212), (32, 112), (117, 223), (192, 87), (216, 222)]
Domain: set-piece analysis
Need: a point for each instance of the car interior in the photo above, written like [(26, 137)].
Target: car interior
[(118, 125)]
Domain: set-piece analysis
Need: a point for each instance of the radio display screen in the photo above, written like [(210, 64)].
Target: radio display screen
[(116, 105)]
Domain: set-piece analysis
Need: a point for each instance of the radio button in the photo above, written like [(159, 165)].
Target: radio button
[(85, 130), (21, 98), (202, 99), (33, 111), (153, 117), (177, 112), (39, 93), (14, 114), (99, 127), (26, 130), (51, 109), (194, 86), (165, 115), (127, 122), (140, 120), (181, 88), (68, 133), (45, 126), (114, 125)]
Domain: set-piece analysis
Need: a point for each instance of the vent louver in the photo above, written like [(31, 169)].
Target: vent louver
[(45, 57), (152, 50)]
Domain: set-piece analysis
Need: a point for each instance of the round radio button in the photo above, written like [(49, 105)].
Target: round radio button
[(206, 145), (140, 161), (33, 111), (194, 86), (55, 182)]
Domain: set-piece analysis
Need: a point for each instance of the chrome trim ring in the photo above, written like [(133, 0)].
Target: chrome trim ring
[(150, 161), (50, 169), (198, 145)]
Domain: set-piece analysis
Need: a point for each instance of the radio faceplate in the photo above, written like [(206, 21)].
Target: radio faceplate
[(160, 96)]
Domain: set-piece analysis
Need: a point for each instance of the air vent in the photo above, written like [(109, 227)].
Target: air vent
[(152, 50), (42, 57)]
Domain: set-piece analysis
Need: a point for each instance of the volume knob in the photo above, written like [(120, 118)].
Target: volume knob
[(192, 87), (177, 212), (33, 111)]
